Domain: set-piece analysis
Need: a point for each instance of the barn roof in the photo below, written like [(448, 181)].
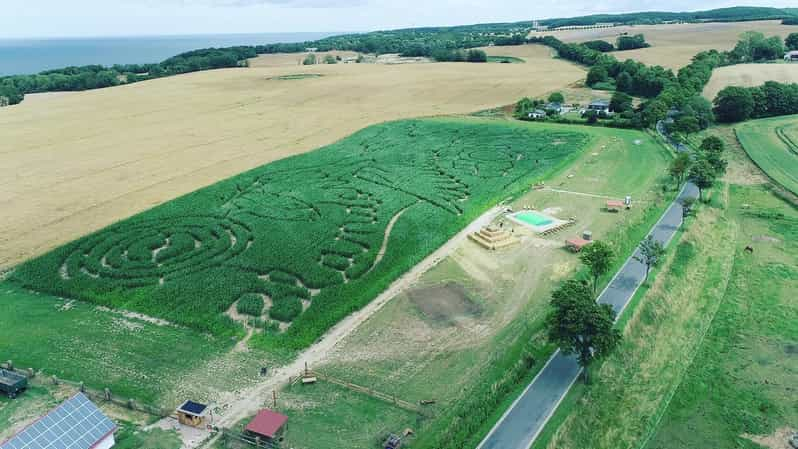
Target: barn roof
[(267, 423), (75, 424)]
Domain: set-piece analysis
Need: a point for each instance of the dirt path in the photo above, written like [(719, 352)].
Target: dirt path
[(238, 405), (385, 239)]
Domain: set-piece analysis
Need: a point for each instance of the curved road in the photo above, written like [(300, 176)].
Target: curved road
[(526, 417)]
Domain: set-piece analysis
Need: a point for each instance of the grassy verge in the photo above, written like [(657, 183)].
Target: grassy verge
[(769, 143), (661, 335), (740, 385)]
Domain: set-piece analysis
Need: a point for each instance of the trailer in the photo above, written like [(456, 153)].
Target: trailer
[(12, 383)]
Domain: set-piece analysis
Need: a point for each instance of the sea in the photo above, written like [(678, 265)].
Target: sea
[(27, 56)]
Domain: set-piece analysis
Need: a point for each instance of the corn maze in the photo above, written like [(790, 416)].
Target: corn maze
[(309, 234)]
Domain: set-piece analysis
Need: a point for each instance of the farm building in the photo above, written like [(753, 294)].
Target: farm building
[(791, 56), (75, 424), (192, 414), (600, 106), (554, 107), (537, 114), (576, 244), (615, 206), (12, 383), (268, 425)]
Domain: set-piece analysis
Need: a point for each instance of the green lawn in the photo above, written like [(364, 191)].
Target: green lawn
[(773, 145), (743, 378), (80, 343)]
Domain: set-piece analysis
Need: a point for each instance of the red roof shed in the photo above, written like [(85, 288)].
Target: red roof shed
[(267, 423)]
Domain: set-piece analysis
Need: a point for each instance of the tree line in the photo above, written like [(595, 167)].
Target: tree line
[(15, 87)]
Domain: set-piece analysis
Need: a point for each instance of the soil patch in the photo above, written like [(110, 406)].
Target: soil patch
[(777, 440), (445, 303)]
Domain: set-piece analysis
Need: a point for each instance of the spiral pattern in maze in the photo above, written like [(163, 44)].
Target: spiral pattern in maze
[(153, 251)]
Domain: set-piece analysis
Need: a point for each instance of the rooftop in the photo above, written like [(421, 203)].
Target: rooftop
[(267, 423), (193, 408), (75, 424)]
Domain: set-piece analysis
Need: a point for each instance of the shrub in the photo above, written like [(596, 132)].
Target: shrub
[(286, 309), (250, 304)]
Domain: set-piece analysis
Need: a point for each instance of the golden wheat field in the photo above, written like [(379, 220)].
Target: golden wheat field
[(674, 45), (74, 163), (749, 75)]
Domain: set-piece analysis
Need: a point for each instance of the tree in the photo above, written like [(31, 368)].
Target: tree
[(712, 144), (703, 175), (599, 45), (309, 59), (597, 74), (792, 41), (679, 167), (687, 206), (711, 150), (598, 257), (654, 111), (651, 251), (579, 325), (523, 107), (686, 124), (621, 102), (330, 59), (733, 104), (476, 56), (556, 97), (631, 42), (624, 82)]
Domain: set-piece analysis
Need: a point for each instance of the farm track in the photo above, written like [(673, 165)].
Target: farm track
[(247, 402)]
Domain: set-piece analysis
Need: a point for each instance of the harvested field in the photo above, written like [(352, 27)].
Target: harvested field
[(76, 163), (674, 45), (749, 75)]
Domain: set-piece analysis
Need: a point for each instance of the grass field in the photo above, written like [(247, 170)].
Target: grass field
[(73, 164), (317, 236), (749, 75), (673, 46), (468, 324), (76, 341), (740, 388), (773, 145)]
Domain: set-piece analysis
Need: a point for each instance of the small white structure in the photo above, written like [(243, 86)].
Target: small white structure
[(537, 114), (75, 424), (791, 56)]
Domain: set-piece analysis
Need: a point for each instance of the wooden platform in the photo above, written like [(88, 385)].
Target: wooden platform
[(493, 238)]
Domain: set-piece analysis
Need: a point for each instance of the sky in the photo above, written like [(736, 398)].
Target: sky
[(84, 18)]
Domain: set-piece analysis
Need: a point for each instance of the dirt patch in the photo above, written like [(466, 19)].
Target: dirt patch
[(777, 440), (765, 238), (445, 303)]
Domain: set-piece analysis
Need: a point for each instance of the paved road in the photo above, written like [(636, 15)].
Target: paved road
[(522, 423)]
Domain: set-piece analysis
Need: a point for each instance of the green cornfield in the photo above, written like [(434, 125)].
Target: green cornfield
[(306, 229)]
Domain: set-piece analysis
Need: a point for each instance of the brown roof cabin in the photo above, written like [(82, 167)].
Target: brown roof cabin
[(192, 414), (267, 425), (576, 244), (615, 206)]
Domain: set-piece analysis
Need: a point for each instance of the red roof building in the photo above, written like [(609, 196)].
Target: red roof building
[(267, 424), (576, 244)]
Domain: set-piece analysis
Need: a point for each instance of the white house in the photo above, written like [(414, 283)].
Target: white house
[(537, 114), (75, 424), (791, 56)]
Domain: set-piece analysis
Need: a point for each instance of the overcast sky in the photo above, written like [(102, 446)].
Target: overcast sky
[(73, 18)]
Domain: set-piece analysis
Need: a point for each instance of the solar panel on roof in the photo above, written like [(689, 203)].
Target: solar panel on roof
[(75, 424), (193, 407)]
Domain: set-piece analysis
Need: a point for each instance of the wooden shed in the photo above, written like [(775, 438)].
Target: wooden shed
[(192, 414), (12, 383), (267, 425), (576, 244)]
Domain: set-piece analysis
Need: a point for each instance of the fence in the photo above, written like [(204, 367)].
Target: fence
[(249, 440), (95, 395), (391, 399)]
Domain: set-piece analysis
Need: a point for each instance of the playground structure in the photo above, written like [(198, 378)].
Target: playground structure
[(493, 237)]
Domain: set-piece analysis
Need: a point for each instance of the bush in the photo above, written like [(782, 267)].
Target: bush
[(250, 304), (476, 56), (286, 309), (599, 45), (631, 42), (309, 59)]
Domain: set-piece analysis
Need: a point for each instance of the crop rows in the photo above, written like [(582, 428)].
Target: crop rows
[(305, 228)]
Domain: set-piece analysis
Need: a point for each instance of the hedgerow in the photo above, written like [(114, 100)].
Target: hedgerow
[(250, 304), (308, 227)]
